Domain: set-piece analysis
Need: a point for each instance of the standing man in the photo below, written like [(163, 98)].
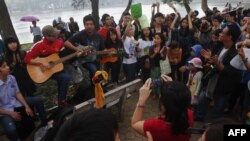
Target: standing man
[(87, 37), (229, 77), (73, 26), (49, 45), (36, 31)]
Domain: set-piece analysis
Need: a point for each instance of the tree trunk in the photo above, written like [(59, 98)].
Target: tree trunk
[(186, 4), (95, 12), (6, 27), (204, 6), (126, 10)]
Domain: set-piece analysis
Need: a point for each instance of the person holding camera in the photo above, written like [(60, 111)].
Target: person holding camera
[(176, 116), (205, 33)]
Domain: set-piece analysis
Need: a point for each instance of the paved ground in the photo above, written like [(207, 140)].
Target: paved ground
[(151, 110)]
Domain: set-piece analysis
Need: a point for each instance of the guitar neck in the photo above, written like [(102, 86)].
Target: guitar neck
[(101, 52), (63, 59)]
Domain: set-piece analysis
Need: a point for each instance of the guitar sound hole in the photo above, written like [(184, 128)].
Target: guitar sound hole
[(51, 64)]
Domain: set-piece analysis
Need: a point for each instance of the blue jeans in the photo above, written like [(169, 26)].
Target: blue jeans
[(62, 79), (9, 127), (203, 102), (91, 67), (130, 71), (220, 102), (37, 102)]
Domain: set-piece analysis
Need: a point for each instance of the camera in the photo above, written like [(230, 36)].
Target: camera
[(155, 83)]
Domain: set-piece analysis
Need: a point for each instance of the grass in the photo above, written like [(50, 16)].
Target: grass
[(26, 46)]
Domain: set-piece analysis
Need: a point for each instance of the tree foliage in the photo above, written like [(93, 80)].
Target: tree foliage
[(78, 3)]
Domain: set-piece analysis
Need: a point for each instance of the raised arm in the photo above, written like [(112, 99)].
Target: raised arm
[(190, 25), (174, 21)]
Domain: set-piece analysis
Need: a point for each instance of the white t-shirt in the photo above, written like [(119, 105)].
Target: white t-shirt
[(129, 47), (144, 46), (36, 30), (222, 54)]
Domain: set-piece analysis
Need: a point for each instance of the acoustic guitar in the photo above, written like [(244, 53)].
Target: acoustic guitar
[(40, 74), (92, 56), (109, 58)]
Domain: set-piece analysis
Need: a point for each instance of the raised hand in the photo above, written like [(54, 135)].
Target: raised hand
[(145, 92), (207, 54), (241, 53), (166, 78)]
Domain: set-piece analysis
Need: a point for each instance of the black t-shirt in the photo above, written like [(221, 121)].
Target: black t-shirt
[(82, 38), (95, 41)]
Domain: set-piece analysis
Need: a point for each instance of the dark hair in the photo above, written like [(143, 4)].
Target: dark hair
[(162, 38), (1, 60), (9, 53), (174, 44), (159, 14), (176, 99), (108, 41), (234, 31), (104, 16), (126, 14), (185, 18), (150, 35), (92, 125), (88, 18), (9, 40), (215, 131), (217, 32), (218, 18)]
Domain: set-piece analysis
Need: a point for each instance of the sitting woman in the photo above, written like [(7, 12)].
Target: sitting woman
[(15, 60), (176, 116)]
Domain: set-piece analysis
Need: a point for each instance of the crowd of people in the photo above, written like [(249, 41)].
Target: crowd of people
[(198, 51)]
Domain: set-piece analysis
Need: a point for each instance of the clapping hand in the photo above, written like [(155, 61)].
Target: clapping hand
[(207, 54), (215, 60), (241, 53)]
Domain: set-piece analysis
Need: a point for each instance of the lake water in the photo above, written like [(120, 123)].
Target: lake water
[(23, 30)]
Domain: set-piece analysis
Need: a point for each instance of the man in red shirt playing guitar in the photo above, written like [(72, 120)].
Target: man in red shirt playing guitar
[(49, 45)]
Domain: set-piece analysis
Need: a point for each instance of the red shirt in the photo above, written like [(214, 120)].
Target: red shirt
[(43, 48), (103, 31), (162, 131)]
